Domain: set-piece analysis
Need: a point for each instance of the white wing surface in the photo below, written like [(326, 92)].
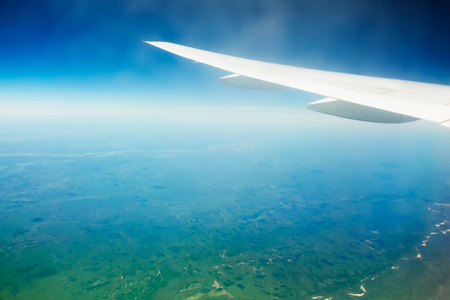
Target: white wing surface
[(350, 96)]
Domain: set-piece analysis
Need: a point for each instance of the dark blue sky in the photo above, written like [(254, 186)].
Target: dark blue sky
[(96, 44)]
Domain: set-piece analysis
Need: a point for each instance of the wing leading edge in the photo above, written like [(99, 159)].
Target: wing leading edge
[(407, 98)]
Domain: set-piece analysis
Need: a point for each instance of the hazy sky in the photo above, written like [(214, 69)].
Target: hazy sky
[(92, 51)]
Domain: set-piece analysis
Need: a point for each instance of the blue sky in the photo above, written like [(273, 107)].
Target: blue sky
[(92, 51)]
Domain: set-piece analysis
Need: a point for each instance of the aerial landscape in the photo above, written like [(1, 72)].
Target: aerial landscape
[(129, 173)]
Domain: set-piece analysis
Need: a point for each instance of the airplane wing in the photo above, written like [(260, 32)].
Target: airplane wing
[(350, 96)]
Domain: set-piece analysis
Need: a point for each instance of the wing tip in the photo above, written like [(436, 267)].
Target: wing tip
[(151, 42), (157, 44)]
